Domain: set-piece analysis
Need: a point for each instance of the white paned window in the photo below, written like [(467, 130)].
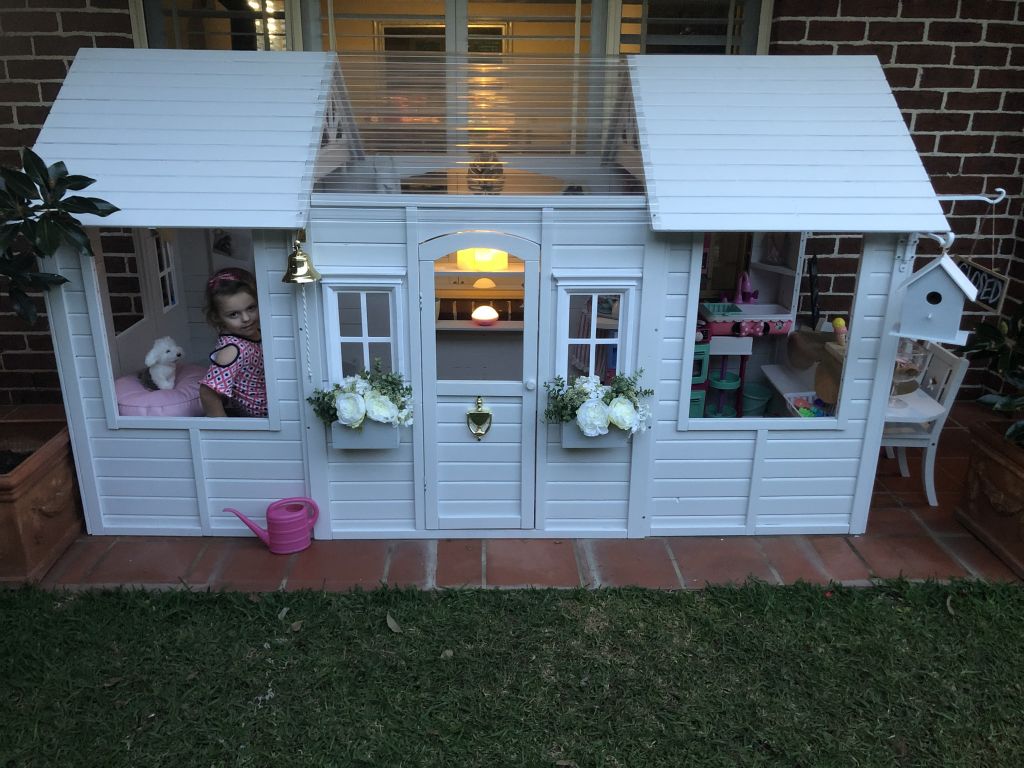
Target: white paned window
[(165, 273), (363, 325), (596, 325)]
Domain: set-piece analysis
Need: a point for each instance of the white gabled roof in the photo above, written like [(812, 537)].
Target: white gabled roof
[(947, 265), (192, 138), (777, 143)]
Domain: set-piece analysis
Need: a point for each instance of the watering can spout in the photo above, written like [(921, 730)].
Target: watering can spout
[(264, 535)]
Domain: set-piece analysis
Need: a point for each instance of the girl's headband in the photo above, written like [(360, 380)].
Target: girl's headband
[(230, 275)]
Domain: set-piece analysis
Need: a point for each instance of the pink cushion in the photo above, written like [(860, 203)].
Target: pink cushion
[(133, 399)]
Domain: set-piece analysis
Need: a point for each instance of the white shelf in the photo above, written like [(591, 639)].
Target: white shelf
[(499, 326), (776, 268)]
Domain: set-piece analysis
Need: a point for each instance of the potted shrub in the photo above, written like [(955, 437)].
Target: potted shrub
[(596, 415), (365, 411), (993, 503), (40, 512)]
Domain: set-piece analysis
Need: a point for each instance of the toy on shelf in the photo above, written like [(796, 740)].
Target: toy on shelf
[(807, 404), (745, 294), (840, 330)]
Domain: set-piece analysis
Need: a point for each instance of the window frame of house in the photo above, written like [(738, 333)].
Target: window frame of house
[(165, 265), (390, 282), (569, 283)]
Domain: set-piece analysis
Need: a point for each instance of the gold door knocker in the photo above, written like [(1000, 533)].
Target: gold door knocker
[(479, 419)]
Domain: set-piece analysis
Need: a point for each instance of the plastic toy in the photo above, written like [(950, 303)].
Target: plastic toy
[(289, 524)]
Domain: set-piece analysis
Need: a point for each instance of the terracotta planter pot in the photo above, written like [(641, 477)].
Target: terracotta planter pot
[(40, 512), (993, 504)]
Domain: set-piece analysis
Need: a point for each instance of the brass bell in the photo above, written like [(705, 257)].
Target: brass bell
[(300, 269)]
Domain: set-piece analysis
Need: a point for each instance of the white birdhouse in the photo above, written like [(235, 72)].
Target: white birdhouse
[(933, 303)]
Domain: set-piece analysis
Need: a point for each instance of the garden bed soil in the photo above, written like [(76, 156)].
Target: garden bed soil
[(40, 512)]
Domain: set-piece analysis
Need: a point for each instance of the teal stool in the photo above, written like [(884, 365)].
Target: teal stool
[(722, 382)]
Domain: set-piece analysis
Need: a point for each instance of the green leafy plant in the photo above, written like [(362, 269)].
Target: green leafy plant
[(36, 218), (377, 394), (1000, 341), (593, 405)]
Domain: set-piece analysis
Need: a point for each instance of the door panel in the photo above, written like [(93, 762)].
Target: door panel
[(486, 483)]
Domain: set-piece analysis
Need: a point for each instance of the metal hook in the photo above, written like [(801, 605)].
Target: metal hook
[(945, 240), (999, 197)]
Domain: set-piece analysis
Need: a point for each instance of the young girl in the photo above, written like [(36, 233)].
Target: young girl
[(235, 385)]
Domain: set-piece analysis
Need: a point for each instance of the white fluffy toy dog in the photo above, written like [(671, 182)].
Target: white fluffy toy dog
[(162, 359)]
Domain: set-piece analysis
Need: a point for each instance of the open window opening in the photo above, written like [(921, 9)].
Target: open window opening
[(772, 331), (158, 339)]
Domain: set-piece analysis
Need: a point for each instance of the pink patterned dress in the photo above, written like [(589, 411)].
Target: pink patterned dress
[(243, 382)]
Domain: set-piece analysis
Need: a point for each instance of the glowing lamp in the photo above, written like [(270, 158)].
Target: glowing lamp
[(481, 260), (484, 282), (485, 315)]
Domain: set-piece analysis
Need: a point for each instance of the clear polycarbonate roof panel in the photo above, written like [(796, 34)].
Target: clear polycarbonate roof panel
[(479, 125)]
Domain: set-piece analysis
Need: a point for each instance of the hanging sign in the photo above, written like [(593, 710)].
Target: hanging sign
[(991, 285)]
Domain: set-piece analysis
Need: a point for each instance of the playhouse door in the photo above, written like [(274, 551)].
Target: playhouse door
[(479, 364)]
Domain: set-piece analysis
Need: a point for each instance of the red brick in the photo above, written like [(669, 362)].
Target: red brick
[(31, 115), (965, 145), (836, 31), (790, 49), (896, 31), (841, 562), (107, 21), (990, 164), (1009, 145), (941, 122), (998, 122), (634, 562), (919, 99), (145, 560), (459, 563), (946, 77), (56, 4), (29, 21), (972, 100), (339, 565), (531, 563), (1017, 56), (36, 69), (11, 93), (6, 115), (999, 78), (789, 30), (925, 143), (902, 77), (980, 56), (882, 51), (39, 341), (112, 4), (1004, 33), (48, 91), (924, 54), (17, 45), (867, 8), (707, 560), (799, 8), (988, 9), (61, 45), (928, 9), (955, 31)]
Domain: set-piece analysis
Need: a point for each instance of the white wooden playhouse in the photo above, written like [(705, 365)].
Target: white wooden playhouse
[(615, 193)]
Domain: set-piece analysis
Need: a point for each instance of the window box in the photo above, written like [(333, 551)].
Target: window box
[(573, 438), (372, 435)]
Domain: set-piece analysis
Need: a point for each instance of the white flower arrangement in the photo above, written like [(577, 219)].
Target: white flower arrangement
[(374, 395), (595, 407)]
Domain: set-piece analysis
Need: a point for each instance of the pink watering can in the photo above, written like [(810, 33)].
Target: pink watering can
[(289, 523)]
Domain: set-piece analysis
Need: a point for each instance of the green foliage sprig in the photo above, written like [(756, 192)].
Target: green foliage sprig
[(35, 220), (1001, 342), (565, 398)]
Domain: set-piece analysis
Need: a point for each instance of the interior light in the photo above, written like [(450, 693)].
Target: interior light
[(484, 282), (485, 315), (481, 260)]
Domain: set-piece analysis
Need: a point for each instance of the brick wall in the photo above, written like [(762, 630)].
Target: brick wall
[(955, 69), (38, 39)]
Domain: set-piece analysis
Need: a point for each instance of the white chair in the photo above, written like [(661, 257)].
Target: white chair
[(941, 380)]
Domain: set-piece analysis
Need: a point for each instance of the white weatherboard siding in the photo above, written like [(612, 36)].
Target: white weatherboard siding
[(192, 138), (777, 143), (178, 480), (771, 479)]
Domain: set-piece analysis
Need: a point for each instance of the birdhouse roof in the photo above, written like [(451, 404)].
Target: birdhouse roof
[(947, 265)]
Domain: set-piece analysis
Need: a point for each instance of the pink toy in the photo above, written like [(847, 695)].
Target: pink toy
[(745, 294), (289, 521)]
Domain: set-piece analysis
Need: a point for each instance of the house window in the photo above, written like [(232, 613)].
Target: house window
[(236, 25), (690, 26), (362, 324), (595, 326), (165, 272)]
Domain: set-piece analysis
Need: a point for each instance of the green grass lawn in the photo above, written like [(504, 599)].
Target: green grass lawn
[(895, 675)]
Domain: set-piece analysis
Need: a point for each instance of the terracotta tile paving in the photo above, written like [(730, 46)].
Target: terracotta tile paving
[(894, 521), (978, 558), (211, 561), (793, 559), (459, 563), (912, 557), (143, 560), (76, 564), (633, 563), (250, 567), (407, 566), (939, 520), (531, 562), (339, 565), (729, 560), (839, 559)]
